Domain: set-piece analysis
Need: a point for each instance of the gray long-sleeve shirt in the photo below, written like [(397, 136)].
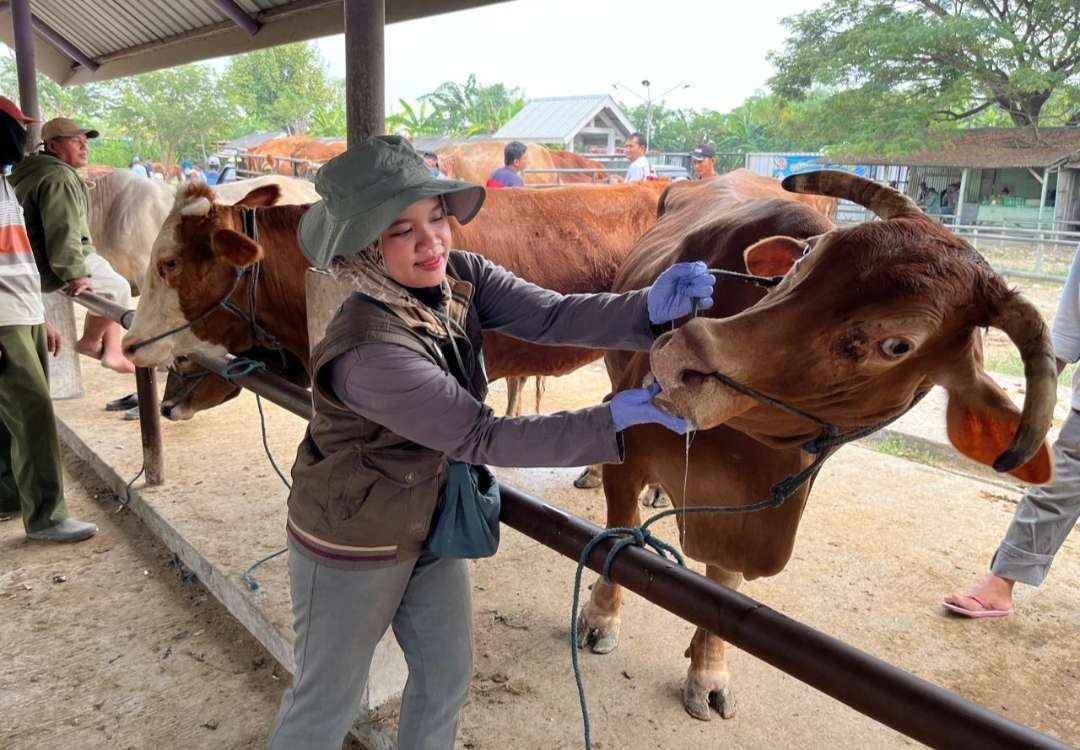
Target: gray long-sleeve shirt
[(420, 401)]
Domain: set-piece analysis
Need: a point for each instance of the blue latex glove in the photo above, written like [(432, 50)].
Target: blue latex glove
[(635, 406), (671, 295)]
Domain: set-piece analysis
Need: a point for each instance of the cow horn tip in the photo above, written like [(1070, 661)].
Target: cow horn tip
[(1008, 461)]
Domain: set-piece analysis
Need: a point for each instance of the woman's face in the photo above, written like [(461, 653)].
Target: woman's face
[(417, 244)]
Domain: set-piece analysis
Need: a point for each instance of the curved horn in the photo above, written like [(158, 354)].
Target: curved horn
[(883, 201), (1019, 319)]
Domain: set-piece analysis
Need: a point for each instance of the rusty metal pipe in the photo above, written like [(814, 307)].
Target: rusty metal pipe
[(288, 396), (908, 704), (106, 309)]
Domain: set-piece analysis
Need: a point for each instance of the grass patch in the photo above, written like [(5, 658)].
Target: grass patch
[(1008, 363), (901, 448)]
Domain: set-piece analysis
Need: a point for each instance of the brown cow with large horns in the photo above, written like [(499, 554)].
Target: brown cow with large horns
[(866, 318)]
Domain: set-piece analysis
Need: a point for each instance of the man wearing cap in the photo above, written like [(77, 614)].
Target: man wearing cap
[(31, 475), (703, 160), (55, 203)]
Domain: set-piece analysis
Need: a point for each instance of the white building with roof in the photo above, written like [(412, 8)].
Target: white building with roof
[(577, 123)]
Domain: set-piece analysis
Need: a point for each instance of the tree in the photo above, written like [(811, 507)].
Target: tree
[(328, 118), (901, 66), (471, 109), (89, 103), (279, 88), (171, 112)]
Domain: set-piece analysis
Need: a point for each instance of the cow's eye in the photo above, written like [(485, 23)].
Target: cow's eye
[(895, 348), (167, 265)]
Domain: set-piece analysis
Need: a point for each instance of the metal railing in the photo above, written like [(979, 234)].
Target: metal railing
[(308, 168), (908, 704), (597, 174)]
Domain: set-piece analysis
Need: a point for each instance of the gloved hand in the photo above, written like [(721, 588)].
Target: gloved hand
[(635, 406), (671, 295)]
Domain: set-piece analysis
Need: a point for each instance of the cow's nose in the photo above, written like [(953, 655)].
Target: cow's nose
[(692, 378), (166, 409), (130, 346)]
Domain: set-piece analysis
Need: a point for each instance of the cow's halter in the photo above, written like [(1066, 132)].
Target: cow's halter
[(820, 447), (258, 333)]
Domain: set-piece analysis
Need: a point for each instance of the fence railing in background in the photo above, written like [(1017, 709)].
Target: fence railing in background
[(302, 168), (908, 704)]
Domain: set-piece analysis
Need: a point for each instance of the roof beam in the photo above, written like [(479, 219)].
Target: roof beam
[(53, 37), (237, 15)]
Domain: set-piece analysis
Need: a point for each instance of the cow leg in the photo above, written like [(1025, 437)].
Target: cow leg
[(598, 623), (514, 387), (708, 682), (541, 386)]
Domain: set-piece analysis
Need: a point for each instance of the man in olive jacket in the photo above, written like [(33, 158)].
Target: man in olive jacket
[(55, 203)]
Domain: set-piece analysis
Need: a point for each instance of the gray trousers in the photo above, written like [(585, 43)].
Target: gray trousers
[(1045, 515), (340, 615)]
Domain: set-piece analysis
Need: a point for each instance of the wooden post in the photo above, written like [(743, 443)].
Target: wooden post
[(958, 219), (365, 22), (150, 425), (22, 30)]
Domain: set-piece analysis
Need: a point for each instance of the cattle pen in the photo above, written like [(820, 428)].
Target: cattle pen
[(908, 704)]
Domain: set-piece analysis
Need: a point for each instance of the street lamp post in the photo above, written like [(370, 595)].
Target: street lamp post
[(648, 99)]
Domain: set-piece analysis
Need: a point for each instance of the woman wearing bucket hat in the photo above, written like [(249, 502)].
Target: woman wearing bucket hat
[(398, 386)]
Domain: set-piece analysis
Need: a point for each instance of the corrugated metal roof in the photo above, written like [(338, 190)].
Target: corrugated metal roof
[(558, 119), (126, 37)]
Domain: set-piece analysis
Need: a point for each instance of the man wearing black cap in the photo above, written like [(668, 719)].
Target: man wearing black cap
[(703, 160)]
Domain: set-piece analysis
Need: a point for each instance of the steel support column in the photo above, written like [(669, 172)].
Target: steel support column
[(365, 23), (22, 29)]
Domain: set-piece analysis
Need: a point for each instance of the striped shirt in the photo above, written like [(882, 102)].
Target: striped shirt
[(20, 284)]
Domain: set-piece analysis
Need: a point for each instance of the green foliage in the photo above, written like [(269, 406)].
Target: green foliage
[(282, 88), (883, 71), (172, 112), (114, 152), (413, 120), (761, 123), (89, 104), (459, 110), (329, 115)]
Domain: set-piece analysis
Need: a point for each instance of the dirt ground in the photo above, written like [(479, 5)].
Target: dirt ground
[(124, 654)]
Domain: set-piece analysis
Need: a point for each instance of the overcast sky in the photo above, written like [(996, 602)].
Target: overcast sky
[(570, 47)]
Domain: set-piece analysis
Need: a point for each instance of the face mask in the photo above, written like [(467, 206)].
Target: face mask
[(12, 140)]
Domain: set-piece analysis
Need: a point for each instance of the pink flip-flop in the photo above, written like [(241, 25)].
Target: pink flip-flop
[(985, 610)]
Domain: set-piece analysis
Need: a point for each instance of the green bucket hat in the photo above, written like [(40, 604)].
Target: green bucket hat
[(365, 188)]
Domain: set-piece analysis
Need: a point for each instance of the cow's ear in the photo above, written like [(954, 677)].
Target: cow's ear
[(981, 421), (261, 197), (235, 248), (773, 256)]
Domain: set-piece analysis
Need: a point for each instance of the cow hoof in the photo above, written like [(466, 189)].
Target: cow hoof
[(599, 640), (654, 497), (697, 700), (589, 480)]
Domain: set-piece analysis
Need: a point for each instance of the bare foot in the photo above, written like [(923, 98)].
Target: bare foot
[(117, 363), (92, 349), (993, 593)]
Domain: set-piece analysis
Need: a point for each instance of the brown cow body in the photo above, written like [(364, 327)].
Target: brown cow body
[(569, 239), (869, 317), (269, 155)]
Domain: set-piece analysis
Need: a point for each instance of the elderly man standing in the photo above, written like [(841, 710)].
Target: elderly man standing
[(55, 203), (31, 476)]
